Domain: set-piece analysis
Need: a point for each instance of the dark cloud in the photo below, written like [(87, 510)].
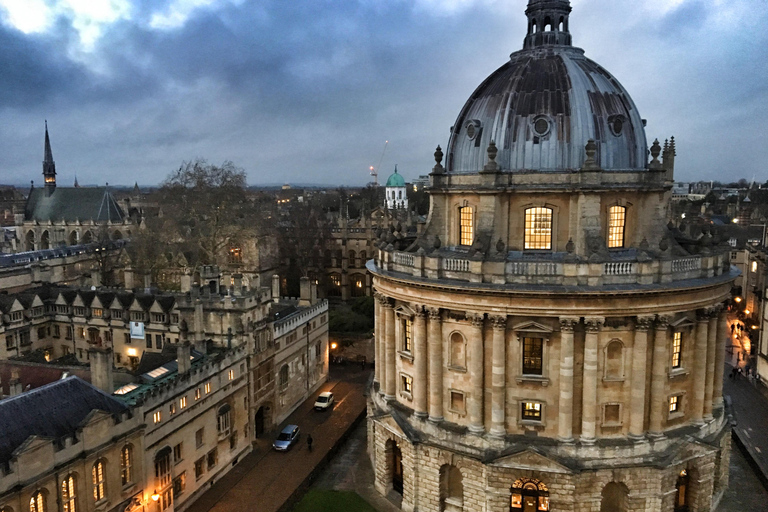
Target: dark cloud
[(308, 91)]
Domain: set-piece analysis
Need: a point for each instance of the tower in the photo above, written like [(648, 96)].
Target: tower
[(396, 196), (49, 166), (547, 23)]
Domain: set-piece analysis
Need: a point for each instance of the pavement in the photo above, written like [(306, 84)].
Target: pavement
[(268, 481)]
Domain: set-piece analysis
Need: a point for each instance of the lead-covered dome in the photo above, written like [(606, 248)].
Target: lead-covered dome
[(542, 107)]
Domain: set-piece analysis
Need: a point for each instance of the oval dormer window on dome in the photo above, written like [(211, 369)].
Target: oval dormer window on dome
[(472, 128), (541, 125), (616, 124)]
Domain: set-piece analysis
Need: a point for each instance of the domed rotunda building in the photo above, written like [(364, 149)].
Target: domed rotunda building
[(547, 343)]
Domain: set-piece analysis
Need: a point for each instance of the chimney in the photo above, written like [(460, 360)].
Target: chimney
[(275, 288), (238, 283), (313, 292), (128, 277), (186, 282), (183, 354), (101, 368), (199, 324), (304, 298), (14, 385)]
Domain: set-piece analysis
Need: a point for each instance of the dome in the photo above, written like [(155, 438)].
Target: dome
[(395, 180), (544, 104)]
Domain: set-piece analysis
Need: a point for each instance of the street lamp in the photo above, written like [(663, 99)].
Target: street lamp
[(155, 496)]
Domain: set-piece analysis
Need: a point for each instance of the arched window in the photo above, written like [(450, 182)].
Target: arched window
[(617, 217), (334, 288), (126, 462), (45, 240), (87, 237), (538, 228), (615, 498), (458, 350), (30, 240), (529, 494), (163, 468), (97, 477), (73, 238), (223, 420), (547, 24), (351, 259), (37, 502), (681, 492), (363, 258), (466, 225), (358, 285), (451, 489), (284, 376), (614, 360), (69, 493)]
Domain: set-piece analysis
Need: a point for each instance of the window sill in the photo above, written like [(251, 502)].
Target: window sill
[(407, 396), (459, 369), (611, 425), (678, 372), (675, 415), (544, 381), (457, 412), (532, 423), (614, 379), (408, 356)]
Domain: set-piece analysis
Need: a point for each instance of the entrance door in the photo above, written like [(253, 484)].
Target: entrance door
[(397, 469), (258, 424), (529, 503)]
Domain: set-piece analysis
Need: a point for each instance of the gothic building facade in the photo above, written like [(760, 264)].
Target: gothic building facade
[(546, 343)]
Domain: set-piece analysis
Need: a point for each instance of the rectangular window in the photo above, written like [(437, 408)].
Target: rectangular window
[(197, 394), (172, 408), (97, 312), (56, 331), (207, 387), (213, 459), (126, 338), (466, 226), (199, 437), (182, 402), (407, 335), (117, 314), (69, 332), (617, 216), (199, 468), (677, 349), (406, 384), (531, 411), (674, 404), (149, 340), (157, 417), (231, 374), (532, 356), (538, 229), (179, 484), (177, 456), (158, 341), (457, 402), (612, 414)]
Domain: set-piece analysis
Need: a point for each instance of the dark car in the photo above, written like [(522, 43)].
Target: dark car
[(286, 438)]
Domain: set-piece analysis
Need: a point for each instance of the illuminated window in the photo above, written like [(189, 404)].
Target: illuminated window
[(68, 494), (677, 349), (197, 394), (223, 420), (177, 456), (407, 335), (531, 411), (617, 216), (37, 502), (407, 384), (538, 228), (97, 312), (231, 374), (157, 417), (207, 387), (235, 255), (754, 266), (466, 225), (674, 404), (182, 402), (172, 408), (532, 356), (163, 467), (126, 461), (97, 474)]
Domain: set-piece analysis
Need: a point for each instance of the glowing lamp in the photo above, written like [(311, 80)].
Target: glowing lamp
[(155, 496), (334, 345), (737, 299), (132, 352), (746, 311)]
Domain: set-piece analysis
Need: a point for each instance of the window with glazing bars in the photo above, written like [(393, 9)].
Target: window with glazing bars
[(532, 356), (677, 350), (406, 335), (538, 228), (674, 404), (531, 411), (617, 216), (466, 225)]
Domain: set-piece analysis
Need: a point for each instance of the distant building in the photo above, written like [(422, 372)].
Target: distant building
[(396, 196)]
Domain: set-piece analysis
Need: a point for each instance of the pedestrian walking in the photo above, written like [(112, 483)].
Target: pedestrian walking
[(362, 364), (309, 442), (733, 372)]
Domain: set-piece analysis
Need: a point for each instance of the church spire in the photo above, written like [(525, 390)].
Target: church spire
[(49, 166), (547, 23)]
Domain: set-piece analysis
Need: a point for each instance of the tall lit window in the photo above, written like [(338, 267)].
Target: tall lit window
[(407, 335), (406, 384), (126, 461), (68, 492), (531, 411), (532, 356), (223, 420), (617, 217), (538, 228), (97, 474), (754, 266), (163, 467), (677, 349), (37, 502), (466, 225), (674, 404)]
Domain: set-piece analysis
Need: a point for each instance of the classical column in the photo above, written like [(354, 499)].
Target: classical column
[(717, 387), (391, 353), (639, 359), (420, 361), (565, 405), (435, 346), (377, 339), (475, 368), (498, 377), (659, 376), (710, 376), (700, 367), (589, 391)]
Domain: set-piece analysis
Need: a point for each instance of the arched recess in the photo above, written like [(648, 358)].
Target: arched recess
[(615, 498), (682, 491), (394, 465), (87, 237), (30, 240), (458, 350), (117, 235), (73, 238), (45, 240), (529, 495), (451, 489), (614, 360)]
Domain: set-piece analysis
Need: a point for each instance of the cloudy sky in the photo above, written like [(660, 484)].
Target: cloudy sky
[(308, 91)]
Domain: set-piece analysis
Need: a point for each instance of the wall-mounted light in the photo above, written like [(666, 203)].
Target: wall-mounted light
[(155, 496), (132, 352), (334, 345)]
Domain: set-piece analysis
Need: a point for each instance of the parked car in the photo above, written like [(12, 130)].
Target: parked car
[(286, 438), (324, 401)]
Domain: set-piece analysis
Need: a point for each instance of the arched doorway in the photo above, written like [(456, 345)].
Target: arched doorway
[(681, 492), (529, 495), (615, 498), (451, 489), (395, 465)]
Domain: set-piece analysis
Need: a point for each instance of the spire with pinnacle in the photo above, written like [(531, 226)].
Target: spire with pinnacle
[(49, 166), (547, 23)]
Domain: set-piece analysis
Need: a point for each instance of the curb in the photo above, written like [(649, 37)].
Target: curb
[(303, 487), (749, 454)]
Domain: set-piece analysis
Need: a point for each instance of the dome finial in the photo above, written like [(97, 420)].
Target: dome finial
[(547, 23)]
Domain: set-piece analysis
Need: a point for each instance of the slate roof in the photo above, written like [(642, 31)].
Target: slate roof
[(33, 376), (73, 204), (54, 411)]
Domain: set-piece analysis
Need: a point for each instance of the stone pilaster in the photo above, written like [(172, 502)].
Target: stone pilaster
[(639, 359), (710, 376), (589, 391), (420, 361), (391, 351), (565, 405), (717, 387), (435, 347), (498, 377), (700, 367), (659, 376), (378, 338), (475, 368)]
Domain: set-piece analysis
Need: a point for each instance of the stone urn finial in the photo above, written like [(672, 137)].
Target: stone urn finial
[(500, 246), (663, 244), (438, 168), (570, 246), (590, 164), (655, 152), (436, 244), (492, 151)]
